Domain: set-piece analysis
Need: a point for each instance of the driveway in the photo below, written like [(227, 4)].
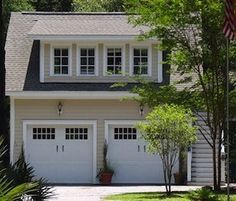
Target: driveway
[(96, 193)]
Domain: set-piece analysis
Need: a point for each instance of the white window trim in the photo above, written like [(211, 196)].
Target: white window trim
[(149, 47), (41, 61), (27, 123), (12, 129), (105, 47), (160, 66), (78, 59), (52, 46)]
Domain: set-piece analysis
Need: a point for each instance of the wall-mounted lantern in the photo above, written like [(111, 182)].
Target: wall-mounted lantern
[(59, 108)]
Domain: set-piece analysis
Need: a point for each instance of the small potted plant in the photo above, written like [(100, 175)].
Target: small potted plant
[(106, 173)]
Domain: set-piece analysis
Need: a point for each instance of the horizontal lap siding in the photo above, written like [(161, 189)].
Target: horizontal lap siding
[(99, 110)]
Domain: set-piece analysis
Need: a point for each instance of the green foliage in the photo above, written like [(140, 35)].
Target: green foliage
[(98, 5), (167, 129), (148, 196), (14, 193), (17, 5), (8, 189), (52, 5), (106, 166), (168, 124), (152, 96), (192, 31), (21, 172), (88, 6), (203, 194), (155, 196)]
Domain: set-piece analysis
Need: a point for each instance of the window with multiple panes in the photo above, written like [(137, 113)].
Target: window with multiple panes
[(140, 61), (43, 133), (76, 133), (61, 61), (114, 61), (125, 133), (87, 61)]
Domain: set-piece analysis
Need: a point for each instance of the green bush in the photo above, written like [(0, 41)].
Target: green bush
[(203, 194), (21, 172)]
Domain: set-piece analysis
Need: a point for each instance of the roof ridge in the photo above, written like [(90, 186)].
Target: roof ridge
[(72, 13)]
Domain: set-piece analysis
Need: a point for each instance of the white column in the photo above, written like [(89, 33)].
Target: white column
[(189, 165)]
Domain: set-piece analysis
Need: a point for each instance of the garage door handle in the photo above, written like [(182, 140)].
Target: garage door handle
[(138, 148), (144, 148), (57, 148), (62, 148)]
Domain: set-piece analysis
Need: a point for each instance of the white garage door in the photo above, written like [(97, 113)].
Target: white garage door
[(61, 154), (129, 158)]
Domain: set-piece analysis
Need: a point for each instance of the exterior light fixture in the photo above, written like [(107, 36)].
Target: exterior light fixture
[(141, 109), (59, 108)]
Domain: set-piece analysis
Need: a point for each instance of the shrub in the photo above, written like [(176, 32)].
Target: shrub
[(203, 194), (21, 172)]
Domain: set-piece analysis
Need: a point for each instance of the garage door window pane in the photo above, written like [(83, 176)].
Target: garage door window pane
[(43, 134), (76, 133), (125, 133)]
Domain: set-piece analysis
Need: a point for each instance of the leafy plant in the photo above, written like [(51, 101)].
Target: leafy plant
[(21, 172), (8, 189), (192, 31), (106, 167), (167, 129), (203, 194)]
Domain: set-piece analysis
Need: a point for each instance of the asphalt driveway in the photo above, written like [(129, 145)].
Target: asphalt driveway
[(96, 193)]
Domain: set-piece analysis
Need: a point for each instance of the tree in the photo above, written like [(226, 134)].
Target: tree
[(52, 5), (98, 5), (192, 31), (3, 122), (167, 129)]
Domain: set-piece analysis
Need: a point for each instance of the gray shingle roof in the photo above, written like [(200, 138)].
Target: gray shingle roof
[(98, 26), (22, 53)]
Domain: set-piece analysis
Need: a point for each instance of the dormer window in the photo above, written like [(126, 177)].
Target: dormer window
[(140, 61), (114, 60), (87, 61), (60, 62)]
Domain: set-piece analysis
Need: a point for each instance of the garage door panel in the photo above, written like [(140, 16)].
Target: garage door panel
[(66, 157), (130, 159), (136, 173)]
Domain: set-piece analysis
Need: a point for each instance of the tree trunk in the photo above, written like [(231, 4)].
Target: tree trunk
[(165, 173), (219, 162), (214, 164)]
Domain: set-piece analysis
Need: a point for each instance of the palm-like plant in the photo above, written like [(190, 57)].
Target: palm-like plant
[(8, 191)]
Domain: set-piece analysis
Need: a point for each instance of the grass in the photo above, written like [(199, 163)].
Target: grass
[(155, 196)]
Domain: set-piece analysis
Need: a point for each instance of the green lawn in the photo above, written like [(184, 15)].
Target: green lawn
[(153, 196)]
